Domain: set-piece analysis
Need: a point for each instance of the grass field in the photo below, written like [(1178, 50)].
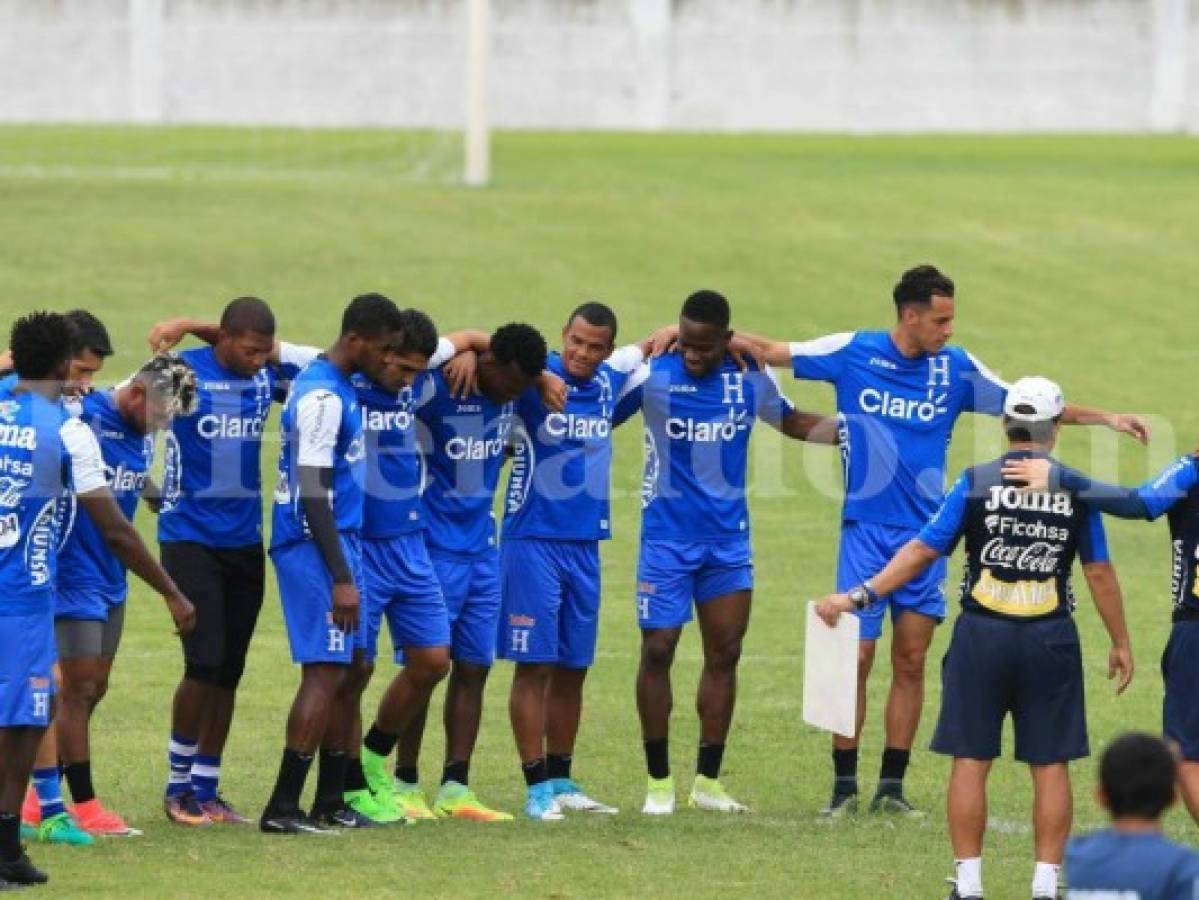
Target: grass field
[(1074, 258)]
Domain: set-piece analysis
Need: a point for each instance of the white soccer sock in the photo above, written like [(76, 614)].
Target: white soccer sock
[(969, 876), (1044, 880)]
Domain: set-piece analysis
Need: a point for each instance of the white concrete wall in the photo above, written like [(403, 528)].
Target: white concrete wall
[(810, 65)]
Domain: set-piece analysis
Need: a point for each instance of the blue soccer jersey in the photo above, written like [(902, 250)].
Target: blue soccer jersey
[(697, 445), (86, 563), (559, 484), (897, 417), (464, 443), (44, 455), (1110, 865), (395, 469), (322, 428), (212, 473)]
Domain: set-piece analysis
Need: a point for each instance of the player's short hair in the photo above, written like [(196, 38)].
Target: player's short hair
[(248, 314), (87, 333), (1022, 432), (917, 287), (369, 315), (170, 376), (41, 343), (420, 334), (708, 308), (521, 344), (1137, 773), (593, 313)]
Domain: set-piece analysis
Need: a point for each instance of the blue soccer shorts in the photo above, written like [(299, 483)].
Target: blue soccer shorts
[(866, 548), (551, 601), (306, 593), (1032, 671), (470, 584), (1180, 671), (400, 584), (672, 575), (83, 604), (26, 676)]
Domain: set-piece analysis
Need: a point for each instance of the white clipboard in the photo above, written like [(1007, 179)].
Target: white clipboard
[(830, 678)]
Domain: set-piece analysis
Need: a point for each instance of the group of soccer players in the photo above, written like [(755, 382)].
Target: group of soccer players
[(393, 442)]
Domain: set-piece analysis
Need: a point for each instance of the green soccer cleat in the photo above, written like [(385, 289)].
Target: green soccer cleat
[(378, 779), (709, 794), (412, 802), (457, 801), (895, 805), (659, 797), (63, 829), (367, 804)]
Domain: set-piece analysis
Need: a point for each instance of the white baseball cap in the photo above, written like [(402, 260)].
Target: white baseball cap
[(1034, 399)]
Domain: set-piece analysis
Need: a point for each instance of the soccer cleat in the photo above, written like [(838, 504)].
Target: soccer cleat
[(895, 805), (382, 788), (291, 822), (184, 809), (457, 801), (540, 805), (341, 817), (659, 797), (95, 819), (21, 871), (220, 812), (571, 798), (839, 806), (708, 793), (412, 802), (367, 804), (62, 829), (954, 895), (31, 809)]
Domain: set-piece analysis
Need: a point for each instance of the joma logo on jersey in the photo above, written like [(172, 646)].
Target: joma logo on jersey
[(22, 437), (216, 426), (1058, 504), (890, 406)]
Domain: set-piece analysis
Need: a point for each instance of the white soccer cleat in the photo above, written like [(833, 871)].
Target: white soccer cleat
[(659, 797), (708, 793), (570, 798)]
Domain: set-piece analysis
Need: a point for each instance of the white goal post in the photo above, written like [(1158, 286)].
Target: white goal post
[(478, 134)]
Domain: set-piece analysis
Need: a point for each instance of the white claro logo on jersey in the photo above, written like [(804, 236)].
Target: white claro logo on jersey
[(213, 426), (576, 427), (125, 481), (473, 448), (378, 421), (891, 406)]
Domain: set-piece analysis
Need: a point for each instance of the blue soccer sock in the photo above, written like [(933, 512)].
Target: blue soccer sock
[(206, 775), (180, 753), (48, 788)]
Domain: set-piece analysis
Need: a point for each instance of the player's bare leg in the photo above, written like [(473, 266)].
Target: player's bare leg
[(18, 749), (84, 684), (1188, 786), (909, 650), (1053, 814), (655, 700), (723, 622), (966, 810), (527, 705)]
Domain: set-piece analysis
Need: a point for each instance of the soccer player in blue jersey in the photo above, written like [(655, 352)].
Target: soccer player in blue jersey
[(89, 607), (556, 511), (1133, 860), (699, 409), (899, 394), (464, 439), (1015, 648), (43, 452), (1174, 492), (315, 547), (210, 534)]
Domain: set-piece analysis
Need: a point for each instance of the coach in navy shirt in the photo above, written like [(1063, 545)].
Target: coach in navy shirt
[(1015, 648)]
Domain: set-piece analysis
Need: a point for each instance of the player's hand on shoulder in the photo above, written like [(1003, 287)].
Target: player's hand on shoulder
[(553, 392), (183, 612), (165, 335), (1031, 475), (462, 374), (743, 351), (1120, 667), (830, 608), (664, 340), (345, 607), (1131, 424)]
